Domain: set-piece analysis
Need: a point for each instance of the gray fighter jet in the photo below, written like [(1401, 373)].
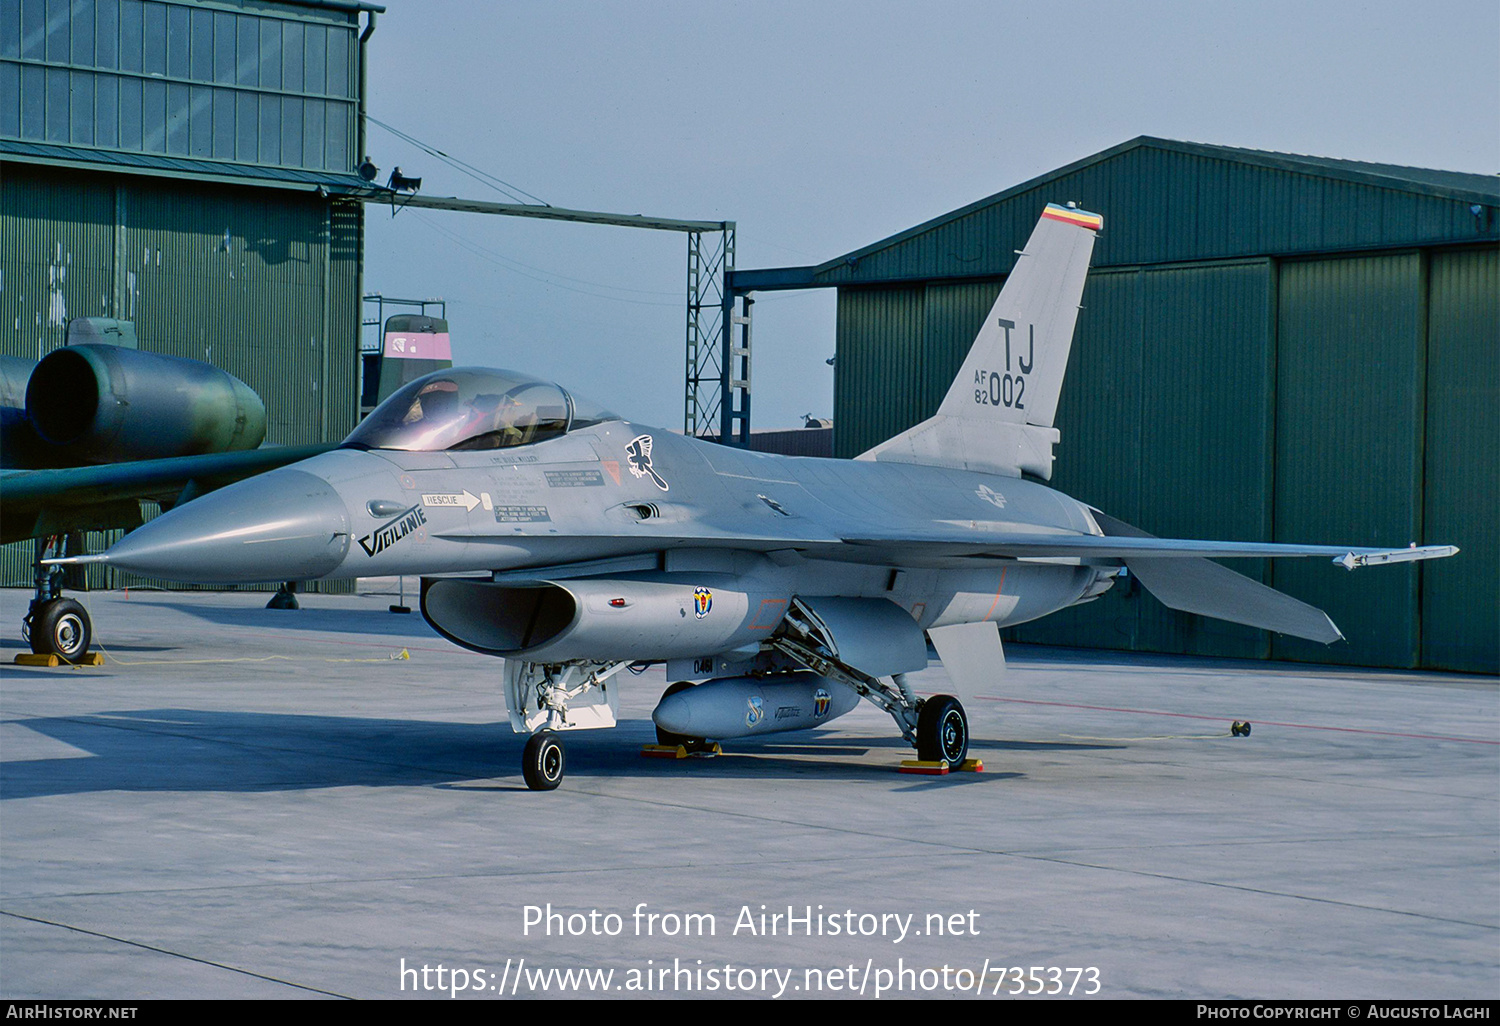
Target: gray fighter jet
[(574, 544)]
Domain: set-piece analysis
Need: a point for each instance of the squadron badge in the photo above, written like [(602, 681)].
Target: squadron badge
[(638, 453)]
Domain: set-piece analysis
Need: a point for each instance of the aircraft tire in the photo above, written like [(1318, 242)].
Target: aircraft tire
[(666, 737), (544, 761), (61, 627), (943, 731)]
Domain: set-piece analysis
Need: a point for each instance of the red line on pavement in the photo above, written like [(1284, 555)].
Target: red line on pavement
[(1220, 719)]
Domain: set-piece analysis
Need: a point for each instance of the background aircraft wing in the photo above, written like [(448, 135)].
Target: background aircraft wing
[(42, 502)]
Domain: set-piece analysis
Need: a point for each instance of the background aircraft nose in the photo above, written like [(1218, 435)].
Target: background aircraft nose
[(286, 525)]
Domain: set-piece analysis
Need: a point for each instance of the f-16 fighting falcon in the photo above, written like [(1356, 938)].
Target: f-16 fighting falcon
[(778, 591)]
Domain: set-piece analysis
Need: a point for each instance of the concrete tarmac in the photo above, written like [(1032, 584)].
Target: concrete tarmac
[(253, 803)]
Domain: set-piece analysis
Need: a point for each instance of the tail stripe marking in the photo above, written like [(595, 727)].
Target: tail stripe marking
[(1071, 215)]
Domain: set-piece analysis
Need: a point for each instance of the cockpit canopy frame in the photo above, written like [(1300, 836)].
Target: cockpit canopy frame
[(473, 408)]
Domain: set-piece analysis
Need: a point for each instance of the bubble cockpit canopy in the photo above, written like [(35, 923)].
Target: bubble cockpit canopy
[(467, 408)]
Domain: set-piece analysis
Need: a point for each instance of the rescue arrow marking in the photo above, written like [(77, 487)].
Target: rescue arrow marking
[(466, 500)]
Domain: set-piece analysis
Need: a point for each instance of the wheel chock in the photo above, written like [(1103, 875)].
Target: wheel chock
[(703, 751), (53, 659), (927, 767), (972, 766)]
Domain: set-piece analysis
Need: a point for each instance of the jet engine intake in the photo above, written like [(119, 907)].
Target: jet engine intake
[(600, 619)]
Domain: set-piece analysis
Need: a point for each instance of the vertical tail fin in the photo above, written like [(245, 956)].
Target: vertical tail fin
[(998, 413), (413, 345)]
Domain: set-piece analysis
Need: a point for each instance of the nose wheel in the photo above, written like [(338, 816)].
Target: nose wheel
[(544, 761), (943, 731)]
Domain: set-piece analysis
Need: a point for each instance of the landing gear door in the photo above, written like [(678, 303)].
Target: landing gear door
[(873, 635)]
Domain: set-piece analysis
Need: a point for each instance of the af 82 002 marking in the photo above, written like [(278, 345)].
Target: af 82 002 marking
[(994, 389)]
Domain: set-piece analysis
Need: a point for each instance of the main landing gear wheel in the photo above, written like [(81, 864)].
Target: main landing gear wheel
[(543, 762), (942, 731), (60, 627)]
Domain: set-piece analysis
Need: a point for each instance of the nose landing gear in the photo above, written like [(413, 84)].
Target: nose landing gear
[(54, 625)]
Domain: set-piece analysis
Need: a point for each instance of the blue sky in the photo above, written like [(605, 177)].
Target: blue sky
[(820, 127)]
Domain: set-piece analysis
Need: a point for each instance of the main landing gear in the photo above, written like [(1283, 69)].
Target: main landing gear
[(937, 727), (54, 625), (942, 731)]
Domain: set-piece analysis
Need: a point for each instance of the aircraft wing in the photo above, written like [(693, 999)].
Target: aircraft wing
[(34, 503), (1180, 572), (1027, 545), (924, 547)]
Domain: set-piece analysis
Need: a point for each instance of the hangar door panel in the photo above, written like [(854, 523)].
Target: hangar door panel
[(1461, 596), (1206, 432), (876, 377), (1349, 401)]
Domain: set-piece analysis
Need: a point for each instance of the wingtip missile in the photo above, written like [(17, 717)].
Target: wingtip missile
[(1412, 554)]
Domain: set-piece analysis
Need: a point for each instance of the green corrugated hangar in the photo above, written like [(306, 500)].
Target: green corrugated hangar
[(189, 167), (1271, 348)]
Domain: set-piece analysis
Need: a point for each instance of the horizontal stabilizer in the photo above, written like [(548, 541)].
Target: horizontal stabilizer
[(1208, 589)]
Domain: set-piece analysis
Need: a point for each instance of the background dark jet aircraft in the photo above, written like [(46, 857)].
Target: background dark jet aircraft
[(789, 587), (95, 428)]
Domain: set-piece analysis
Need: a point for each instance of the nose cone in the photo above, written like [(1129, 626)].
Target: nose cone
[(287, 525)]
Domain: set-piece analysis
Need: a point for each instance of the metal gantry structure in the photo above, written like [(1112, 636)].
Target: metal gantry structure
[(716, 403), (718, 343)]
